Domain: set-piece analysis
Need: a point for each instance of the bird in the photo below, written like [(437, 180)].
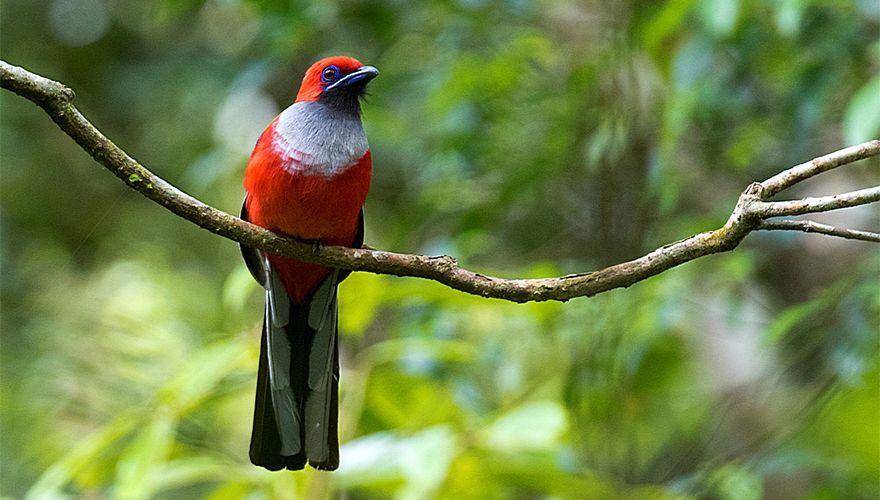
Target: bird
[(307, 178)]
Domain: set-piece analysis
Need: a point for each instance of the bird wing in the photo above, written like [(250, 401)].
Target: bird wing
[(251, 256)]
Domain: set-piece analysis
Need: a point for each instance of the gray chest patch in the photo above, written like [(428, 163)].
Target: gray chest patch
[(319, 139)]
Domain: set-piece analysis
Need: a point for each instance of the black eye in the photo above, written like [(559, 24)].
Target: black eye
[(329, 74)]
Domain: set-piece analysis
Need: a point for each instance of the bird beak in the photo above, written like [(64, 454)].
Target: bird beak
[(361, 75)]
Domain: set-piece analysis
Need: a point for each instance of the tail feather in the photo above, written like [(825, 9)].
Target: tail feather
[(297, 402), (265, 450), (296, 411), (281, 354), (322, 445), (321, 412)]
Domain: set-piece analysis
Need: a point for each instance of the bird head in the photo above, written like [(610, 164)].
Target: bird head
[(338, 81)]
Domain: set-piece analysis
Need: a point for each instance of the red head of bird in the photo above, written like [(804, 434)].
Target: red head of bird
[(334, 78)]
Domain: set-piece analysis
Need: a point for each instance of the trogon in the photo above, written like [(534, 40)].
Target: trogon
[(307, 178)]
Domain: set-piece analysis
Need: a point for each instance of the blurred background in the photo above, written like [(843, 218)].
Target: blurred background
[(528, 139)]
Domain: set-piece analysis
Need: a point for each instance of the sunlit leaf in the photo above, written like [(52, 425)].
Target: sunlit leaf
[(862, 121), (737, 483), (415, 466), (137, 464), (532, 426), (239, 286), (721, 16), (196, 381)]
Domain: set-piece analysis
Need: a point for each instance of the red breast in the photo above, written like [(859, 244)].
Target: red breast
[(309, 174)]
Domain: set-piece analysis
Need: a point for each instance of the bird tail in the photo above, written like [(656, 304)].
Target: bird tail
[(296, 410)]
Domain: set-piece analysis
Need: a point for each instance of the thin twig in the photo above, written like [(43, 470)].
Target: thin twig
[(809, 226), (813, 205), (56, 100), (793, 175)]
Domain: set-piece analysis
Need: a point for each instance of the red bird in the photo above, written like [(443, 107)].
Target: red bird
[(307, 178)]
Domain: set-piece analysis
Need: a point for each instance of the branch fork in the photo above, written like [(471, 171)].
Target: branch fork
[(753, 211)]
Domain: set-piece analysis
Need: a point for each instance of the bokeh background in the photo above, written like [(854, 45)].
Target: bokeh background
[(528, 139)]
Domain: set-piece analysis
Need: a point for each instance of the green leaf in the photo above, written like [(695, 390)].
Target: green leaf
[(720, 16), (403, 401), (789, 16), (435, 349), (86, 451), (862, 119), (137, 463), (667, 22), (191, 470), (203, 372), (238, 288), (732, 482), (360, 298), (419, 463), (537, 425)]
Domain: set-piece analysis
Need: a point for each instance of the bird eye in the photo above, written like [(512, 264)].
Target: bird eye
[(329, 74)]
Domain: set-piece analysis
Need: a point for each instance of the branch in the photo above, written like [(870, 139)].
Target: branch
[(814, 205), (793, 175), (809, 226), (56, 100)]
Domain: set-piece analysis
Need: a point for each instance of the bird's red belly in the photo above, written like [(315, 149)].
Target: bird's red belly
[(307, 207)]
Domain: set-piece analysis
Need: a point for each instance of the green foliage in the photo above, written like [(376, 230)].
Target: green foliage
[(527, 139)]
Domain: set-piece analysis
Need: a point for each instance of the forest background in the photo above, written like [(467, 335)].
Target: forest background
[(528, 139)]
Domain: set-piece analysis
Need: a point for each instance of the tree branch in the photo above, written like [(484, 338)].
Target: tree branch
[(749, 214), (798, 173), (813, 205), (809, 226)]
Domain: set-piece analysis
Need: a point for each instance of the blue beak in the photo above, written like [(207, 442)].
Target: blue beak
[(363, 74)]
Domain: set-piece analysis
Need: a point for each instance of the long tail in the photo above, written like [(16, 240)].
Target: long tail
[(296, 411), (297, 403)]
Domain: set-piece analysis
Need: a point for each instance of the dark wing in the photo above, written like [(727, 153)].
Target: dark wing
[(357, 243), (251, 256)]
